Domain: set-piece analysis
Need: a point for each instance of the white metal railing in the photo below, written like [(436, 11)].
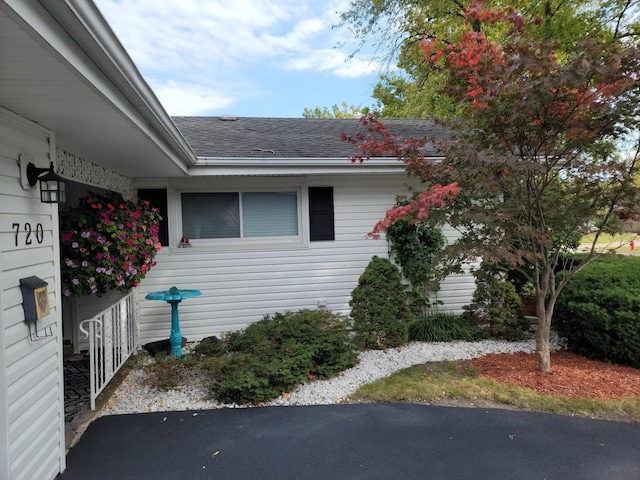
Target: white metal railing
[(113, 337)]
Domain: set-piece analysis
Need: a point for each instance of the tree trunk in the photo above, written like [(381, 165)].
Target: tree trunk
[(543, 331), (543, 354)]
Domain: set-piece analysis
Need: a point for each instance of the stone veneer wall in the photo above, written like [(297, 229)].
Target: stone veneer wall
[(84, 171)]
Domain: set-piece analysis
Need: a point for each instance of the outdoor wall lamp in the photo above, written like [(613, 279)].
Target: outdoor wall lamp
[(52, 186)]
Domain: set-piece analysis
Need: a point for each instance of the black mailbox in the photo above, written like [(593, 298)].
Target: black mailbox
[(35, 298)]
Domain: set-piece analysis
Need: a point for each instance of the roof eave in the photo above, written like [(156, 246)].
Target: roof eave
[(84, 24)]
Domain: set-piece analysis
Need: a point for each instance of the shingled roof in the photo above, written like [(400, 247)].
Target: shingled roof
[(245, 137)]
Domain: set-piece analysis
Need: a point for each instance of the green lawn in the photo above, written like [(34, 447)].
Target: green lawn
[(620, 243), (615, 239), (456, 383)]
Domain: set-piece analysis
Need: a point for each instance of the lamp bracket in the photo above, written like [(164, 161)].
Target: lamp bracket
[(23, 161), (34, 172), (29, 172)]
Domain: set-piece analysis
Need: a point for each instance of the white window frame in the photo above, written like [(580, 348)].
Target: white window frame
[(293, 184)]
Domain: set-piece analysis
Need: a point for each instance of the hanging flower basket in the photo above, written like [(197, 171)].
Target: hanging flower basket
[(107, 243)]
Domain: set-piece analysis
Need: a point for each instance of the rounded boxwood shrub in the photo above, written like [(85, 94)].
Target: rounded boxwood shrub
[(275, 355), (599, 310), (379, 307)]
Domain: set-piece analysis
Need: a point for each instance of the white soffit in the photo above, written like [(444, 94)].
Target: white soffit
[(48, 78)]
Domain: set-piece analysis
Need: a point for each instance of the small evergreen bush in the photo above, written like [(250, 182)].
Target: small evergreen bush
[(442, 327), (276, 354), (379, 307), (496, 308), (599, 310)]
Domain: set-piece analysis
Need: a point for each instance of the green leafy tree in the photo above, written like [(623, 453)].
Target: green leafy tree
[(533, 161), (345, 111), (397, 27)]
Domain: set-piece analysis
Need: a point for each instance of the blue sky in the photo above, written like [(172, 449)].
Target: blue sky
[(260, 58)]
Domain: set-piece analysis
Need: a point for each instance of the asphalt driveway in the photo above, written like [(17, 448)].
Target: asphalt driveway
[(366, 441)]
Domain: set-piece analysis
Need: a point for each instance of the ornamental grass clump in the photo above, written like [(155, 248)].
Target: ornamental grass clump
[(443, 327), (107, 243)]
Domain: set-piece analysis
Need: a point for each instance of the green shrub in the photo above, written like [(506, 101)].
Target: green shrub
[(379, 307), (275, 355), (496, 308), (245, 378), (416, 247), (599, 310), (442, 327), (209, 347)]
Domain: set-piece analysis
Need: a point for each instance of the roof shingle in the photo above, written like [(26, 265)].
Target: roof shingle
[(250, 137)]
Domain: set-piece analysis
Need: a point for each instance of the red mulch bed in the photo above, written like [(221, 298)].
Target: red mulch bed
[(571, 375)]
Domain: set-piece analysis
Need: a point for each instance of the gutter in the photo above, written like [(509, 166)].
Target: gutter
[(214, 166)]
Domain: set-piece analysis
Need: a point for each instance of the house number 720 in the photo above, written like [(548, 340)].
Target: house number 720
[(29, 232)]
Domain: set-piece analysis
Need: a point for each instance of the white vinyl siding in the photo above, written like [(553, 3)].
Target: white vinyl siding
[(240, 286), (32, 419)]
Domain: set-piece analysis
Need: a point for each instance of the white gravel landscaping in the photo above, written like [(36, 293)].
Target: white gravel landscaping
[(135, 396)]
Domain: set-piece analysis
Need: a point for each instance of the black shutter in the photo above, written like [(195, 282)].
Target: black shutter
[(157, 197), (321, 213)]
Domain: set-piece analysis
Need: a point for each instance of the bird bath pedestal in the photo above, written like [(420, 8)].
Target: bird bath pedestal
[(174, 296)]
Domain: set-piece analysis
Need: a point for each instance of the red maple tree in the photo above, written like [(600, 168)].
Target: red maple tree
[(535, 157)]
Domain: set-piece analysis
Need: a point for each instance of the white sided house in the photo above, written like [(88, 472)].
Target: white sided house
[(69, 94), (275, 213), (277, 219)]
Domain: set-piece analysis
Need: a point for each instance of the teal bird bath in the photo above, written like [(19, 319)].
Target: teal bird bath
[(174, 296)]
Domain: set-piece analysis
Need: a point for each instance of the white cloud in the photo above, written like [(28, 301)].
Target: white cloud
[(181, 99), (169, 35), (297, 38), (194, 44), (334, 61)]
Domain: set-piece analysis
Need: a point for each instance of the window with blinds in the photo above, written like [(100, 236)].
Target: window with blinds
[(239, 215)]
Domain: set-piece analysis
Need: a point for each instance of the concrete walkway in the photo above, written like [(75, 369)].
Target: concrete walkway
[(368, 441)]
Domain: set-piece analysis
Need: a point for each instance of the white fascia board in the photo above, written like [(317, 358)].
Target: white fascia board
[(208, 166), (78, 35)]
